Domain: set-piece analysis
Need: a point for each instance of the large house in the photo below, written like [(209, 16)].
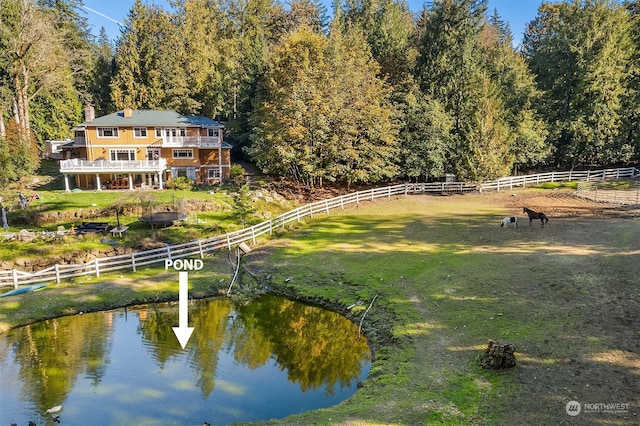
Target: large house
[(143, 149)]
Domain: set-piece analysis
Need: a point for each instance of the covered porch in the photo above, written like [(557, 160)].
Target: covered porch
[(102, 174)]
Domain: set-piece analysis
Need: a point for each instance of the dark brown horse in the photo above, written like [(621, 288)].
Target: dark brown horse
[(535, 215)]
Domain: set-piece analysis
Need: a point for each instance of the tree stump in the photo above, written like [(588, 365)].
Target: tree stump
[(498, 355)]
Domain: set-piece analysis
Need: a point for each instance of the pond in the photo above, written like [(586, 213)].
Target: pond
[(266, 359)]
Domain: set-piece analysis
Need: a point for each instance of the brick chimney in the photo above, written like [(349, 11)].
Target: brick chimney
[(89, 113), (128, 112)]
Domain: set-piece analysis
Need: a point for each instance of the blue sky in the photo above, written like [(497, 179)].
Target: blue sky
[(105, 13)]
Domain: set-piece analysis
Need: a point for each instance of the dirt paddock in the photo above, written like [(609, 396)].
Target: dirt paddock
[(595, 358)]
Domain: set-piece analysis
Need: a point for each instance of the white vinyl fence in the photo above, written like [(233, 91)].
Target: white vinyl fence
[(580, 175), (199, 248)]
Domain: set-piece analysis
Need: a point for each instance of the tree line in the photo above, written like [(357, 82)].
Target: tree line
[(369, 93)]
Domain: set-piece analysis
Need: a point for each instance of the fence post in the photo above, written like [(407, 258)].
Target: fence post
[(133, 261), (169, 252), (57, 273), (97, 267), (15, 279), (200, 248), (326, 205)]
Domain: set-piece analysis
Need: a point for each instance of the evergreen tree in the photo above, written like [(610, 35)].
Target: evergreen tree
[(425, 136), (146, 64), (487, 156), (389, 31), (286, 18), (246, 47), (518, 96), (203, 41), (630, 111), (75, 34), (241, 204), (582, 53), (100, 79), (450, 70)]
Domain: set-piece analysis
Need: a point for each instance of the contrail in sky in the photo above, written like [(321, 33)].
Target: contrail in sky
[(104, 16)]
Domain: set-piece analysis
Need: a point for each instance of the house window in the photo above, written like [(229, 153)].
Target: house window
[(182, 132), (182, 153), (214, 173), (213, 133), (153, 153), (140, 132), (158, 132), (122, 154), (107, 132), (188, 172)]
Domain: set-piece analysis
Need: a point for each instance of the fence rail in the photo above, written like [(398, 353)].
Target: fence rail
[(571, 175), (200, 248), (604, 193)]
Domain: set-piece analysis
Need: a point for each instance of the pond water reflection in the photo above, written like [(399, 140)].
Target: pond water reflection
[(267, 359)]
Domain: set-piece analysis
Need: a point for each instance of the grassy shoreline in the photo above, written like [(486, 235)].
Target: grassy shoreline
[(446, 278)]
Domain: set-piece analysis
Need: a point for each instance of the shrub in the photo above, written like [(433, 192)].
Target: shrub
[(180, 183), (236, 172)]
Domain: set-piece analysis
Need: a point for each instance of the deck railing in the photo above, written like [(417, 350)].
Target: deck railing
[(191, 141), (76, 165), (200, 248)]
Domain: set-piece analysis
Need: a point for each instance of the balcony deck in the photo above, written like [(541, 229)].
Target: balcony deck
[(190, 142), (76, 165)]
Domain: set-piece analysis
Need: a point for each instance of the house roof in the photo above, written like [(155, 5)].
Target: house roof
[(147, 117)]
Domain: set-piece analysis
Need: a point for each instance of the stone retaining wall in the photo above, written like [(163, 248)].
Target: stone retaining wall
[(74, 257)]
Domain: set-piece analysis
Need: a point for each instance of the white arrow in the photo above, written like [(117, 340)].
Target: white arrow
[(183, 331)]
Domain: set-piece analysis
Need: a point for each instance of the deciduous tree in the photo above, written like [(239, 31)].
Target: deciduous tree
[(31, 51), (324, 115)]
